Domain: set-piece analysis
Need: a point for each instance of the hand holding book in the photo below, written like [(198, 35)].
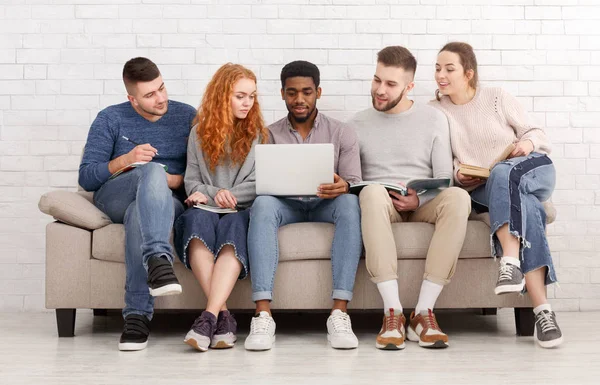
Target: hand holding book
[(469, 175)]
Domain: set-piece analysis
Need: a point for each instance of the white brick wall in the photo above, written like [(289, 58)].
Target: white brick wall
[(60, 63)]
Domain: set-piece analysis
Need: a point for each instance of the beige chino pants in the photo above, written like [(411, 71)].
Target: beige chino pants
[(448, 211)]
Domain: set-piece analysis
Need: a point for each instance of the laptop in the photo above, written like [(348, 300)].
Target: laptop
[(293, 169)]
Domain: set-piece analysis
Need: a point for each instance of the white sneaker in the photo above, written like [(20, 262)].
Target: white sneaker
[(262, 332), (339, 331)]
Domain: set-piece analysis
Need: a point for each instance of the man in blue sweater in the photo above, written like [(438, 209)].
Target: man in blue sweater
[(153, 130)]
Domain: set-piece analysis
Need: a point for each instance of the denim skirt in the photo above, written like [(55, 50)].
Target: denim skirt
[(214, 231)]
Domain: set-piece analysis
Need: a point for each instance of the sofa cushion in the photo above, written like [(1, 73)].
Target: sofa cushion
[(313, 241), (108, 243), (73, 208)]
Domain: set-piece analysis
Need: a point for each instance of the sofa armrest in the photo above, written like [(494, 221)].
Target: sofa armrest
[(68, 263), (73, 208)]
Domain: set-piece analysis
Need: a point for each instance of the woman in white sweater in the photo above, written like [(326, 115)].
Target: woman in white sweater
[(483, 123)]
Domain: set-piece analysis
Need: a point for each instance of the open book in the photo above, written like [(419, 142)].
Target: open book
[(130, 167), (213, 209), (482, 172), (419, 185)]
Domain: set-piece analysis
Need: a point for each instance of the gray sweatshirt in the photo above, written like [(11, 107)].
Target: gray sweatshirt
[(397, 147), (239, 179)]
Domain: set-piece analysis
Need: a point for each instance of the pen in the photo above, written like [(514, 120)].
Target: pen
[(131, 141)]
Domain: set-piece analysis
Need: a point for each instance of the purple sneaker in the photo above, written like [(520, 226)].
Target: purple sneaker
[(202, 331), (224, 336)]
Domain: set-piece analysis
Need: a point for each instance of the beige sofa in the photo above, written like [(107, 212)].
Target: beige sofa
[(85, 268)]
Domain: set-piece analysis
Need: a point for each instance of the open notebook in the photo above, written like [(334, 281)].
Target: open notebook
[(419, 185), (130, 167)]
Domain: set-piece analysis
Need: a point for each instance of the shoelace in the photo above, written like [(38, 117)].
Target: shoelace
[(506, 271), (431, 321), (260, 325), (223, 326), (547, 322), (341, 323), (202, 326), (392, 321)]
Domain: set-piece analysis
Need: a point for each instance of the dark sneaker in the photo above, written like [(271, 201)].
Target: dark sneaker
[(135, 333), (510, 279), (224, 336), (161, 277), (547, 332), (202, 331)]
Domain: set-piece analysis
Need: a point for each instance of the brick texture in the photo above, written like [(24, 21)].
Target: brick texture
[(60, 64)]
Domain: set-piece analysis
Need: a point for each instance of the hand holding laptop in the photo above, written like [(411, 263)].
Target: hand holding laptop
[(333, 190)]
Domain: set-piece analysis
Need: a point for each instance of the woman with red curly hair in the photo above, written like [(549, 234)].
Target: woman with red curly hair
[(220, 173)]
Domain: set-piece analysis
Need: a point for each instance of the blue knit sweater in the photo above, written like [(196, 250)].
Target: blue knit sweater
[(169, 135)]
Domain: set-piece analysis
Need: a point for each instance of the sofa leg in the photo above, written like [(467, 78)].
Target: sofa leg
[(524, 321), (65, 321), (489, 310), (100, 312)]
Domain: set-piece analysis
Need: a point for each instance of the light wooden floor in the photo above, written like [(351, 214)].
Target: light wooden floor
[(484, 350)]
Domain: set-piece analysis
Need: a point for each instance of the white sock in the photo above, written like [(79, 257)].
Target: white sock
[(545, 306), (389, 293), (430, 291), (512, 260)]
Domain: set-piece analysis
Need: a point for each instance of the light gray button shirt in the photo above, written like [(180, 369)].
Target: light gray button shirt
[(325, 130)]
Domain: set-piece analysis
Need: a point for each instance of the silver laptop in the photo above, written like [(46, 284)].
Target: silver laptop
[(293, 169)]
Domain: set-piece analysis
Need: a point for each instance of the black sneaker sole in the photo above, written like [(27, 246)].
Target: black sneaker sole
[(391, 346), (436, 345)]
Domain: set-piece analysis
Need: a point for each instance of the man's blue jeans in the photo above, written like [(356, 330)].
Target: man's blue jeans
[(269, 213), (513, 194), (143, 202)]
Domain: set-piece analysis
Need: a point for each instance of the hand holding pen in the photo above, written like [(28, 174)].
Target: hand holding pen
[(141, 152)]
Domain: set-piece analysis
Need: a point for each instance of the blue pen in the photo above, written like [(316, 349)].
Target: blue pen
[(131, 141)]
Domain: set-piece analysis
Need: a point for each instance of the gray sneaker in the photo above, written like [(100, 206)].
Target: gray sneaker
[(547, 332), (202, 331), (510, 279), (225, 335)]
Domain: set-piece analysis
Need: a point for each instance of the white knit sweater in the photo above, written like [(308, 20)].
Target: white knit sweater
[(481, 129)]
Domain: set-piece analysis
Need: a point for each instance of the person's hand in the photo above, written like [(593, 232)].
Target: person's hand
[(333, 190), (522, 148), (195, 199), (141, 153), (225, 199), (468, 181), (410, 202), (174, 181)]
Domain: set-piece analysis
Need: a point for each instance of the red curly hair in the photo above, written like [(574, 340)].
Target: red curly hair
[(216, 125)]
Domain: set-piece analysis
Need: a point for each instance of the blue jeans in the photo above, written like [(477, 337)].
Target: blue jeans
[(214, 231), (269, 213), (142, 201), (513, 194)]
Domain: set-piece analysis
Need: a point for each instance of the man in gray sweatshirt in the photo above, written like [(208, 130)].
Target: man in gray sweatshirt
[(400, 140)]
